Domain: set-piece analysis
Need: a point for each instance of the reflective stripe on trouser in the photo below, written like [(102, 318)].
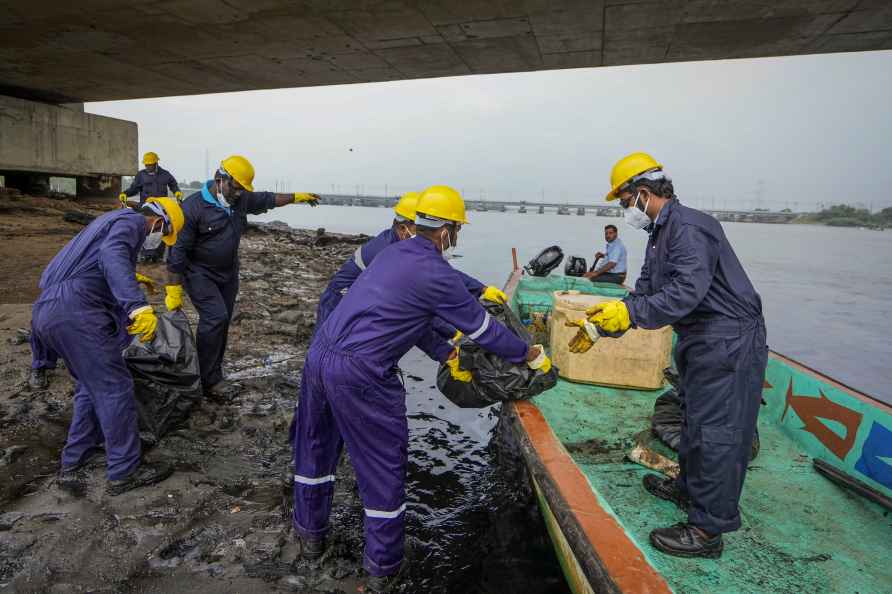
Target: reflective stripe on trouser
[(215, 302), (341, 402), (721, 375), (90, 341)]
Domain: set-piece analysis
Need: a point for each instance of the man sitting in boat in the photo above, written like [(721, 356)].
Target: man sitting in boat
[(691, 279), (613, 270)]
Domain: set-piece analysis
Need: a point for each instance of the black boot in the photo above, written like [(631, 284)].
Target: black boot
[(74, 480), (666, 488), (145, 474), (382, 584), (38, 380), (312, 549), (684, 540), (223, 391)]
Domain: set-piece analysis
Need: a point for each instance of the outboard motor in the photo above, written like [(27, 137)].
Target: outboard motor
[(547, 260), (575, 266)]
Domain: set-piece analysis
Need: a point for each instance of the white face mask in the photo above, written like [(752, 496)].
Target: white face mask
[(153, 239), (635, 218), (220, 197), (448, 249)]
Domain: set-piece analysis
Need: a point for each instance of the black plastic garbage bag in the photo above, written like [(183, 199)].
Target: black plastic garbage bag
[(668, 416), (575, 266), (494, 379), (165, 376), (547, 260)]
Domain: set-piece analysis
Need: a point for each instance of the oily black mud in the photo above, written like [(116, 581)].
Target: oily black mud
[(221, 523)]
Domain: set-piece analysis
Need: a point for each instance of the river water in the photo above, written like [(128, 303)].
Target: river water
[(826, 292)]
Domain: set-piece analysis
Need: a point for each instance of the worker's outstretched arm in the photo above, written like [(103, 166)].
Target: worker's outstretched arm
[(693, 257), (260, 202), (116, 257), (453, 303)]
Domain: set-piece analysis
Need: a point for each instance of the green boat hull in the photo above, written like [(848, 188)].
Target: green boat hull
[(801, 531)]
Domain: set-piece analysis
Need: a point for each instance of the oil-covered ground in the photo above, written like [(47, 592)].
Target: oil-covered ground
[(221, 523)]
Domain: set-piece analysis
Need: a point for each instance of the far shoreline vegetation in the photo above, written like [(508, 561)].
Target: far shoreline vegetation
[(842, 215)]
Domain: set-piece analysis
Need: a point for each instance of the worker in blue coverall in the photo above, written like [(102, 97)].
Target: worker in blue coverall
[(153, 181), (90, 301), (351, 394), (403, 227), (692, 280), (205, 259)]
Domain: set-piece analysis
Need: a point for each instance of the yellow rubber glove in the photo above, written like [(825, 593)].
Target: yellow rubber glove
[(178, 195), (123, 198), (311, 199), (610, 316), (541, 362), (457, 373), (585, 338), (456, 338), (144, 323), (174, 297), (147, 282), (494, 294)]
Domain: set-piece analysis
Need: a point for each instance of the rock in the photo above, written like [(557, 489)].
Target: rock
[(289, 316), (81, 218)]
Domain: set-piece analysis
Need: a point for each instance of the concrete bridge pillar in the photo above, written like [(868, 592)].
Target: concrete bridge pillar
[(39, 140)]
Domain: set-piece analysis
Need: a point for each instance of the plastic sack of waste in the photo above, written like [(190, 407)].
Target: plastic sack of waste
[(165, 376), (494, 379), (575, 266), (547, 260), (668, 416)]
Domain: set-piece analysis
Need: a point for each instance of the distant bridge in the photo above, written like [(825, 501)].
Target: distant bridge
[(733, 216)]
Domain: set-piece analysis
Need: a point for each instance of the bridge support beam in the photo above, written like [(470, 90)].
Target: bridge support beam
[(39, 140)]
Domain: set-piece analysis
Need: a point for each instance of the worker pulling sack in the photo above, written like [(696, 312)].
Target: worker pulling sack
[(166, 377), (493, 378)]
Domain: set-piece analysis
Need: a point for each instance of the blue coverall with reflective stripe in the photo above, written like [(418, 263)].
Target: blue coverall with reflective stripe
[(360, 260), (87, 293), (206, 254), (692, 280), (351, 394)]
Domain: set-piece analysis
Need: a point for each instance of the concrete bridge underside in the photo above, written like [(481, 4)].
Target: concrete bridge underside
[(96, 50), (54, 52)]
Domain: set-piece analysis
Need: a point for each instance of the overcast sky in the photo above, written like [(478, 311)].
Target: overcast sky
[(791, 132)]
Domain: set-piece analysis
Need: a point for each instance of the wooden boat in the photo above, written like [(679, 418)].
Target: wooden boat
[(815, 507)]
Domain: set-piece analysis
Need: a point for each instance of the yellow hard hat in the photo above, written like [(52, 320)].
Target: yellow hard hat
[(150, 158), (175, 213), (406, 205), (442, 202), (627, 168), (240, 169)]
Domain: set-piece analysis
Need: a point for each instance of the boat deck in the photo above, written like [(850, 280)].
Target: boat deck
[(800, 533)]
